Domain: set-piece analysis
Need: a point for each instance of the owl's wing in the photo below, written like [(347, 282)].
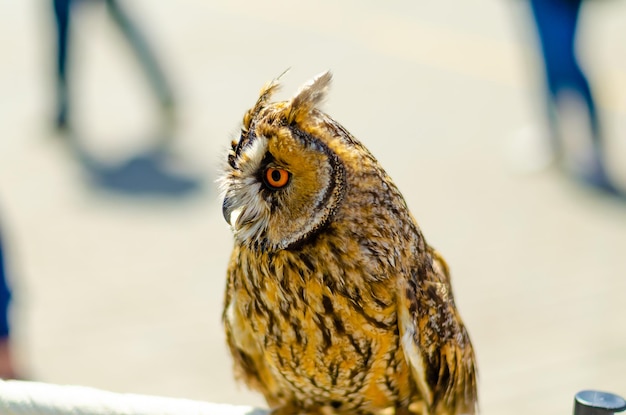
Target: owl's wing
[(435, 341)]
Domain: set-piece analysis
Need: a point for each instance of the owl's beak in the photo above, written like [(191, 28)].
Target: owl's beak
[(230, 212), (227, 210)]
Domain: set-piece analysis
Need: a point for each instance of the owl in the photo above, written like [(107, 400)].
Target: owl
[(334, 301)]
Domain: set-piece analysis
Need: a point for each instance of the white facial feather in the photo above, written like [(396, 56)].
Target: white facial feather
[(250, 212)]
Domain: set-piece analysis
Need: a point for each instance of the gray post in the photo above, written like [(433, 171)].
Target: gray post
[(598, 403)]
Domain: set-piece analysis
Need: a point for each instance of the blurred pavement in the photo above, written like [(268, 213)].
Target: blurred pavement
[(124, 293)]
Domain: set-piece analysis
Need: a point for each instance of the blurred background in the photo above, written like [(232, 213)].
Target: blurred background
[(111, 220)]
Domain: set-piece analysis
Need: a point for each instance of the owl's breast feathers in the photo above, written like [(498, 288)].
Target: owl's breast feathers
[(320, 331), (320, 324)]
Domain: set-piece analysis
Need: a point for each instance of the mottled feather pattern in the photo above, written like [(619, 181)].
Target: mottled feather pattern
[(334, 300)]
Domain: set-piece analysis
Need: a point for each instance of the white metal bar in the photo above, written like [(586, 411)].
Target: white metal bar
[(34, 398)]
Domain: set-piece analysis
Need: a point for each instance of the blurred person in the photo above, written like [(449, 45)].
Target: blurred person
[(64, 14), (145, 173), (7, 370), (571, 109)]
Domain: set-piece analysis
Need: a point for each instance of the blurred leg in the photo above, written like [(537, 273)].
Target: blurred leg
[(62, 17), (6, 363), (145, 54), (556, 22)]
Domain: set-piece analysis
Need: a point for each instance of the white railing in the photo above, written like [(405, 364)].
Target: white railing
[(34, 398)]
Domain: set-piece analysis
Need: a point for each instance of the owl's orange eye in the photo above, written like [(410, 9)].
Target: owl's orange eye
[(276, 178)]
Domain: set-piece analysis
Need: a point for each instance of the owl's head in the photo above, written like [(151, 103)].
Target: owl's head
[(284, 180)]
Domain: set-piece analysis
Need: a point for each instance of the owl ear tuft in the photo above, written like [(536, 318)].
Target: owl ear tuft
[(264, 96), (309, 96)]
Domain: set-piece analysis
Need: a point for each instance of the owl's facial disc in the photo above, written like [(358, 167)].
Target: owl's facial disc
[(284, 186)]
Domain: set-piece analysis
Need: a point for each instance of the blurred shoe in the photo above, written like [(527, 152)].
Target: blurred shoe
[(584, 157), (595, 175)]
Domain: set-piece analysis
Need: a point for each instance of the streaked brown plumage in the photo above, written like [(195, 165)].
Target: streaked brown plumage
[(333, 297)]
